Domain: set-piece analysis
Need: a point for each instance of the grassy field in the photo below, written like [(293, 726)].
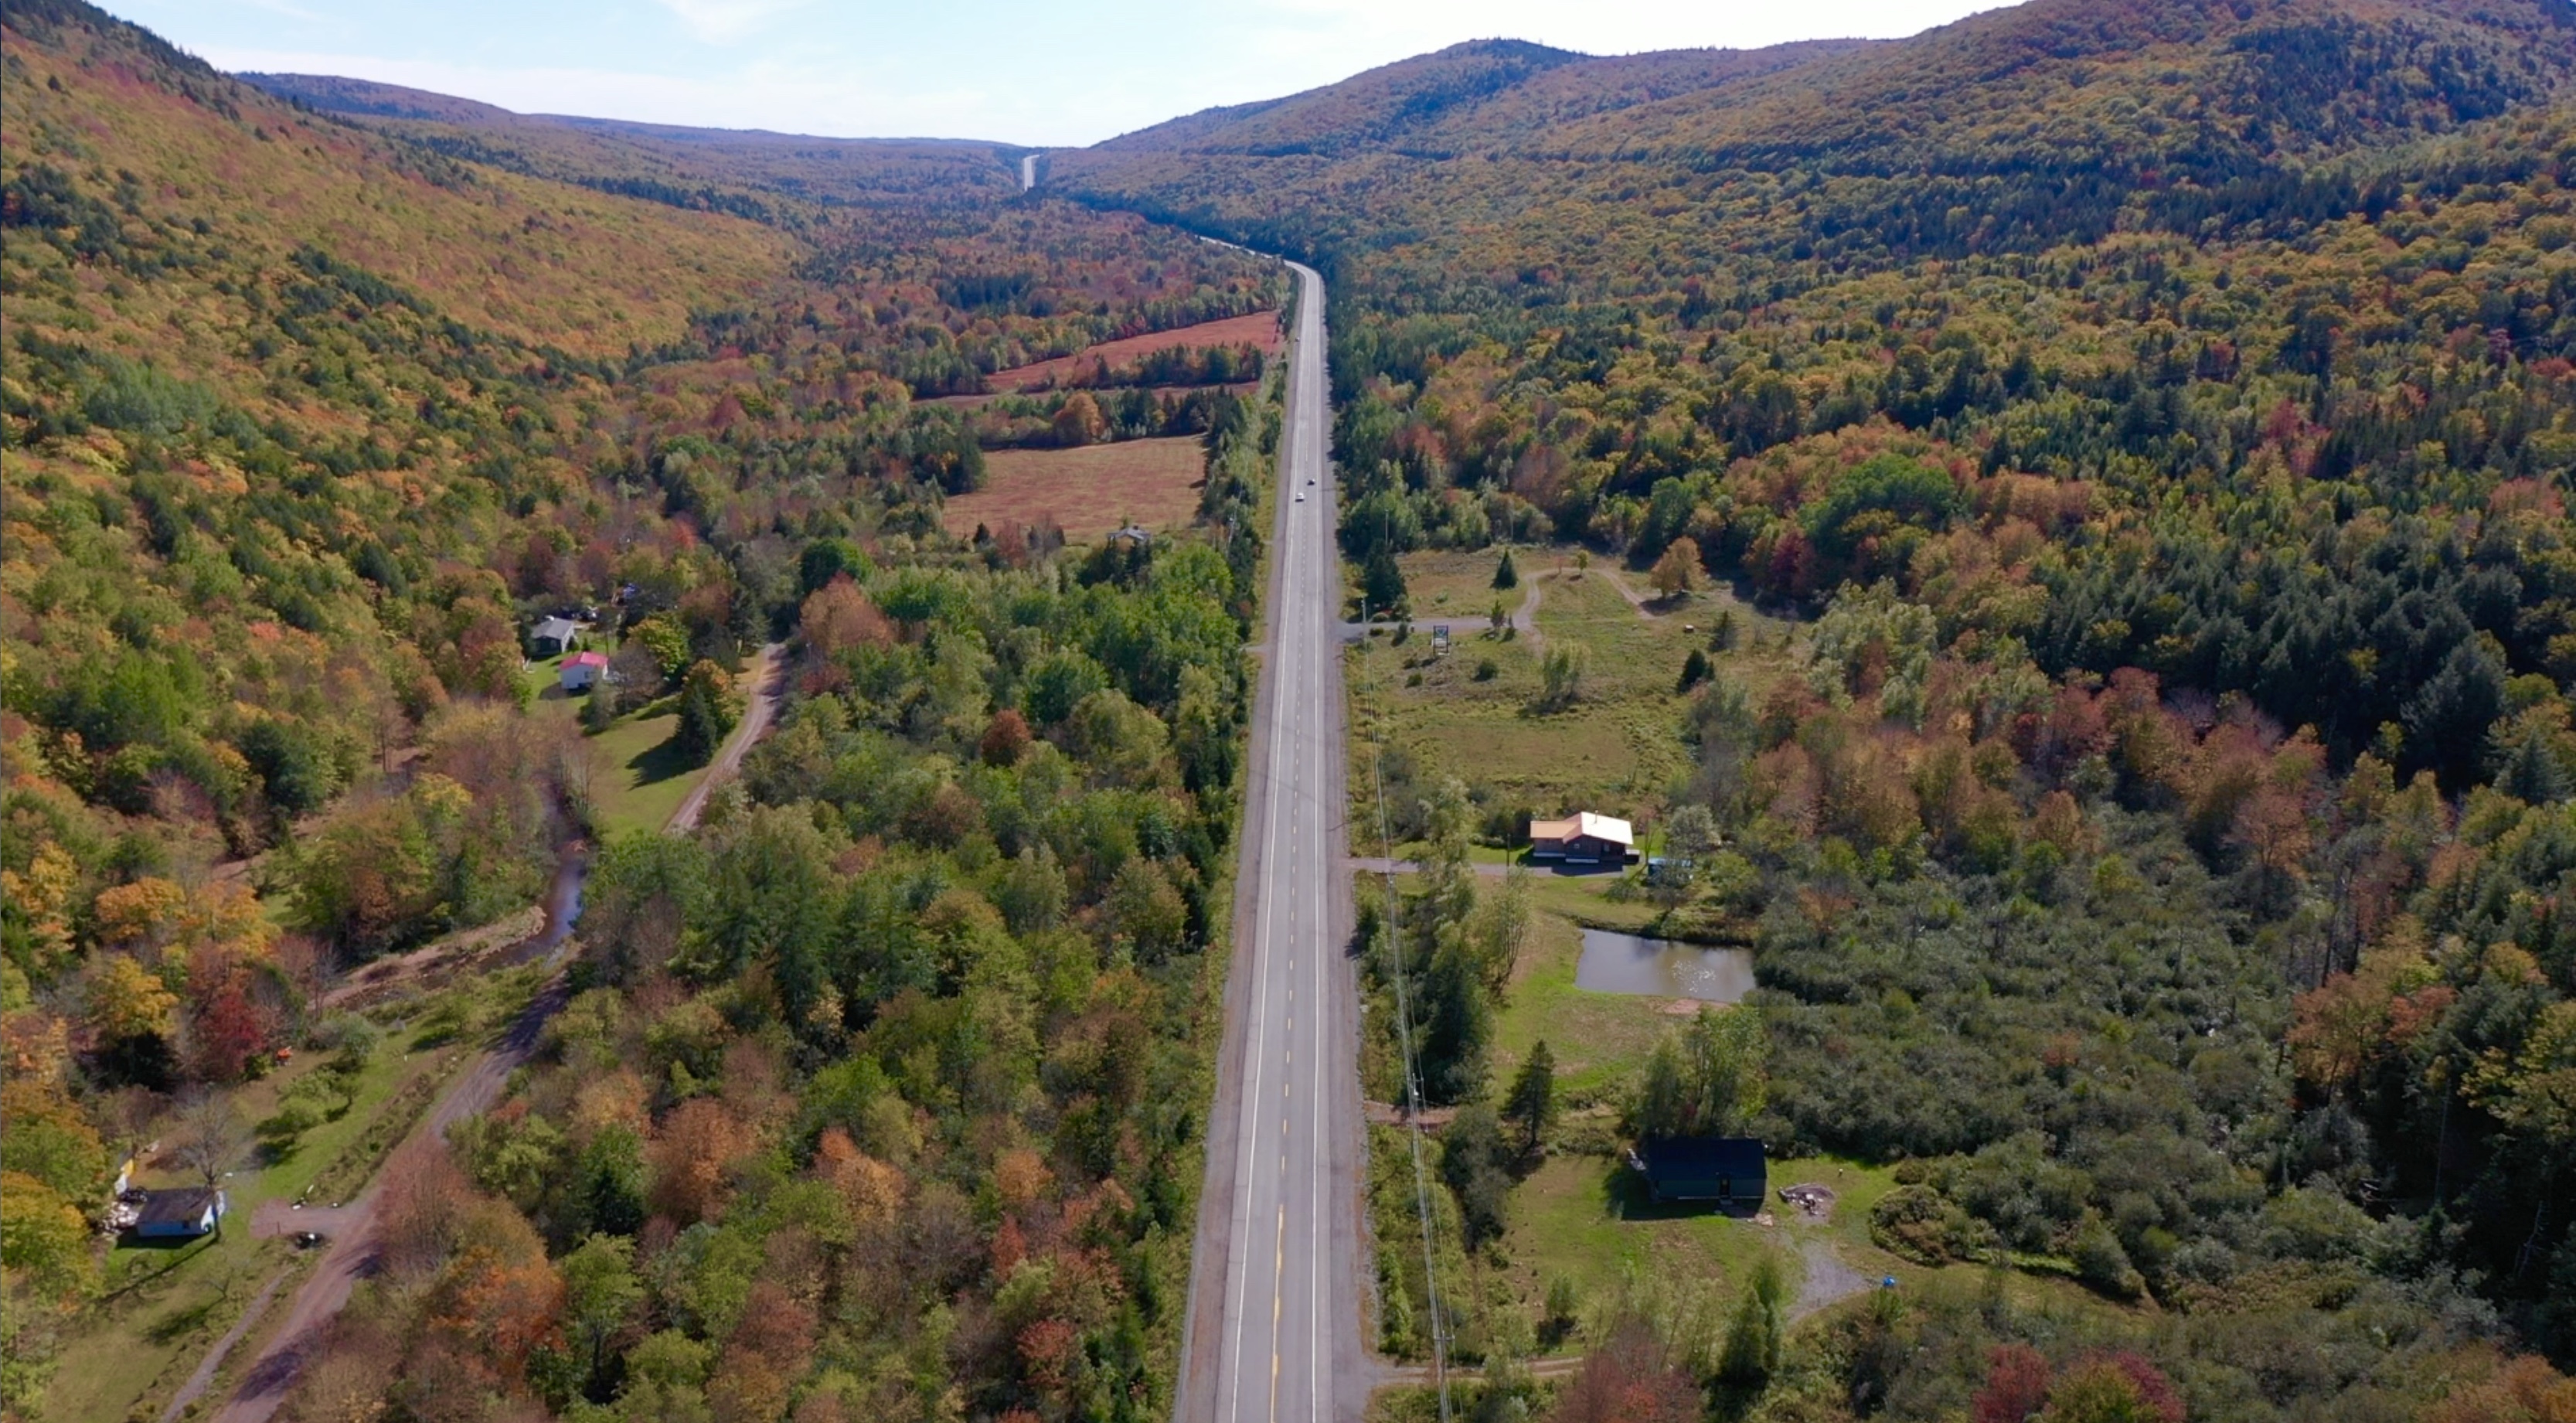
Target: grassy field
[(1087, 491), (1260, 328), (166, 1304), (1472, 713)]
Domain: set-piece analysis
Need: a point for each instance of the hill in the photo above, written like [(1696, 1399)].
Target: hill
[(2048, 120), (769, 177)]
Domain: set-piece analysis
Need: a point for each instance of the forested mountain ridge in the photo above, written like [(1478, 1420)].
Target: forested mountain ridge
[(770, 177), (2049, 120), (1468, 97)]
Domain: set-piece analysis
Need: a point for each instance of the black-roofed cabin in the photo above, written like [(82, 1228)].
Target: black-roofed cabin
[(178, 1214), (1723, 1171)]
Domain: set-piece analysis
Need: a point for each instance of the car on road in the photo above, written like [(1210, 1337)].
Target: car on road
[(1301, 496), (307, 1239)]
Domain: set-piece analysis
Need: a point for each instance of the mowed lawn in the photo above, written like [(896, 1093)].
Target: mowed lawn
[(1259, 328), (1088, 491), (1600, 1040), (636, 780)]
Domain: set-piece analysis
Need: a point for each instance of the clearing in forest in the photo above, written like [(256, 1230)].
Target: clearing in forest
[(1259, 328), (1089, 490)]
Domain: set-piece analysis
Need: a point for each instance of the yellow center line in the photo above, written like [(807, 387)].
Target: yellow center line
[(1278, 1276)]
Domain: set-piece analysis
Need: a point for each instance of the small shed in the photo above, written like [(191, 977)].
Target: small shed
[(582, 669), (1583, 838), (181, 1214), (1725, 1171), (552, 636)]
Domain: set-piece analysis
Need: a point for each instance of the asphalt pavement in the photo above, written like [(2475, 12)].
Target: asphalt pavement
[(1276, 1328)]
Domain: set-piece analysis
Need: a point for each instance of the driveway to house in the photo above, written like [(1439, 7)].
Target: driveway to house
[(756, 717), (351, 1253)]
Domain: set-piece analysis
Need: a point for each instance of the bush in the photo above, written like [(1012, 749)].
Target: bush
[(301, 1110), (2102, 1264), (1928, 1228)]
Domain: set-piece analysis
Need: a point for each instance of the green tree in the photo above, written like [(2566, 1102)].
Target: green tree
[(44, 1241), (1706, 1080), (611, 1181), (600, 1293), (1382, 586), (1561, 676), (1471, 1162), (706, 713), (291, 763), (49, 1140), (1458, 1025), (1505, 575), (666, 639), (1057, 684), (1694, 671), (1753, 1341), (1531, 1102)]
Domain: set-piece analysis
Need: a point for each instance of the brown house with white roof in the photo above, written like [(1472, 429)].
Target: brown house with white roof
[(1583, 839)]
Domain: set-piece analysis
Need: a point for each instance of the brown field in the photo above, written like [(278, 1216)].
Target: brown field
[(1087, 491), (1261, 328)]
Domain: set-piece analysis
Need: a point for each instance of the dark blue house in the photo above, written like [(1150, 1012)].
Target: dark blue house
[(1724, 1171)]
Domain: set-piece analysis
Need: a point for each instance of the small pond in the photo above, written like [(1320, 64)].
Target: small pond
[(1625, 963)]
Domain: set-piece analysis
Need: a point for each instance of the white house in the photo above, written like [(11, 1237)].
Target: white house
[(579, 671)]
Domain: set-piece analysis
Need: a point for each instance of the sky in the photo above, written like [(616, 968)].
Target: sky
[(1051, 74)]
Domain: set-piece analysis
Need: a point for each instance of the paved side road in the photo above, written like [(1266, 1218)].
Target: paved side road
[(351, 1255), (1274, 1329)]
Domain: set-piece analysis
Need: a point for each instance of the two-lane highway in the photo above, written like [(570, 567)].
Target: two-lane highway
[(1274, 1330)]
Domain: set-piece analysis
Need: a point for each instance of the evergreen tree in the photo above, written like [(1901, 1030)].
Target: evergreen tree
[(706, 713), (1505, 575), (1694, 671), (2532, 774), (1531, 1103), (1471, 1162), (1457, 1029), (1382, 584), (1753, 1341)]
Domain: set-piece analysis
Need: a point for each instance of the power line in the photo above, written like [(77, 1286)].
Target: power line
[(1412, 1077)]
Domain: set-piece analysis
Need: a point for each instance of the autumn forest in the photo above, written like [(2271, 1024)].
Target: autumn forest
[(2138, 435)]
